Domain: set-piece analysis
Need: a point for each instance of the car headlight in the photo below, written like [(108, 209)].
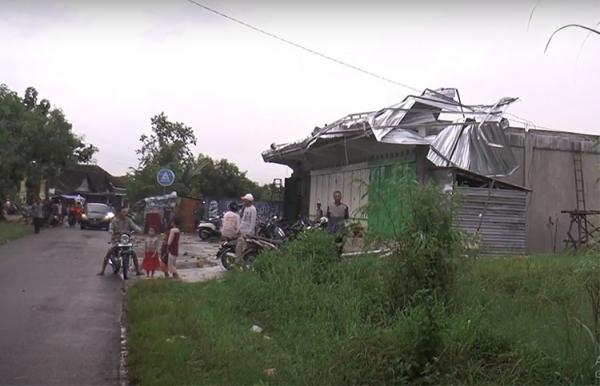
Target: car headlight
[(124, 239), (109, 216), (83, 216)]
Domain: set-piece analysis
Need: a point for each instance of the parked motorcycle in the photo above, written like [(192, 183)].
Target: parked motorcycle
[(210, 228), (271, 229), (122, 254), (292, 231), (53, 220), (255, 245), (227, 253)]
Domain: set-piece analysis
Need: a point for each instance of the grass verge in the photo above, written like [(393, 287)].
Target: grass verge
[(509, 321), (10, 231)]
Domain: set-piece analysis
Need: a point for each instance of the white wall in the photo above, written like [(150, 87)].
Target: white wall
[(351, 180)]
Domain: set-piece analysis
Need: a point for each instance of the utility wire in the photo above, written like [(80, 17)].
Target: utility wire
[(311, 51), (372, 74)]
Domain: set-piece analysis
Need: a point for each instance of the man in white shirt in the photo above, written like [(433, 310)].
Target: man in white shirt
[(247, 224), (231, 223)]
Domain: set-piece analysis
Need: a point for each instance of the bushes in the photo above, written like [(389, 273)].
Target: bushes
[(393, 309), (413, 317)]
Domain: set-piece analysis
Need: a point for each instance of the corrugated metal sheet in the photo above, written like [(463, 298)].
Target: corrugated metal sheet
[(500, 216)]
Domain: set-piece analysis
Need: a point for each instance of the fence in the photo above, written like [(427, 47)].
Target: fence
[(216, 206)]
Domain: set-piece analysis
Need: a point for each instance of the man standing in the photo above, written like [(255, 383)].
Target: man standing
[(336, 213), (38, 215), (247, 224), (319, 211), (119, 225)]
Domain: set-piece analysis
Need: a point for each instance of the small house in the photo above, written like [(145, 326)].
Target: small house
[(514, 181), (91, 182)]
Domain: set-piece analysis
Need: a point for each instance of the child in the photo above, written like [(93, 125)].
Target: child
[(164, 254), (173, 247), (150, 262)]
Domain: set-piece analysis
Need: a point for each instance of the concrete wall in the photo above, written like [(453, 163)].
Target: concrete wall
[(546, 167)]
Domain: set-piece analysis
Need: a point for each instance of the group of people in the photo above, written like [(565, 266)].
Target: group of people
[(163, 256), (52, 212), (157, 255), (235, 226)]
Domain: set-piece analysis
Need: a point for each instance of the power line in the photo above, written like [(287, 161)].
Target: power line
[(309, 50), (377, 76)]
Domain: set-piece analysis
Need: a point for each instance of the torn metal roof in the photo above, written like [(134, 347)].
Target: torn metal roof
[(470, 137)]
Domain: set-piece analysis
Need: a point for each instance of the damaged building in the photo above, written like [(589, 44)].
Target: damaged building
[(516, 184)]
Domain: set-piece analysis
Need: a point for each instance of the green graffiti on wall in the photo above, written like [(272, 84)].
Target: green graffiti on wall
[(387, 198)]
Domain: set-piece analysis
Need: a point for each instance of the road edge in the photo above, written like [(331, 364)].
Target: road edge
[(123, 352)]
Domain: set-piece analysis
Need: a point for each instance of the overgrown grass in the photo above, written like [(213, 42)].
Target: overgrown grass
[(326, 321), (10, 231), (423, 315)]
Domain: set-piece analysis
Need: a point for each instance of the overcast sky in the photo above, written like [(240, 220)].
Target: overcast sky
[(111, 65)]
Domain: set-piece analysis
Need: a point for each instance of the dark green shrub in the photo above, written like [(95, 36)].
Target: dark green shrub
[(424, 246)]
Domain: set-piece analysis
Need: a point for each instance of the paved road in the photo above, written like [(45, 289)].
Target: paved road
[(59, 322)]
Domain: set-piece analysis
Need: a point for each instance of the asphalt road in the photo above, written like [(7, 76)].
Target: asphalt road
[(59, 322)]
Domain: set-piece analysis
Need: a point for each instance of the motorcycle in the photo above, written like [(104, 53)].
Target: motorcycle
[(271, 229), (210, 228), (53, 220), (122, 254), (255, 245), (298, 227), (227, 254)]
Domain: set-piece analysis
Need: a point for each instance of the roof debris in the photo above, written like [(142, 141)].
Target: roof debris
[(470, 137)]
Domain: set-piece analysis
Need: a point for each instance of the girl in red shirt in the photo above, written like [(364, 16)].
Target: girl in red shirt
[(173, 247)]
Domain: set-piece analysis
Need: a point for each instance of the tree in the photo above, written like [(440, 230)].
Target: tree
[(169, 142), (168, 146), (36, 140)]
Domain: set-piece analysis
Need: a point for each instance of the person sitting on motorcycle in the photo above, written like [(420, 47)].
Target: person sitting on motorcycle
[(119, 225), (231, 223)]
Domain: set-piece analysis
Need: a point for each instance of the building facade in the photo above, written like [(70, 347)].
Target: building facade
[(515, 182)]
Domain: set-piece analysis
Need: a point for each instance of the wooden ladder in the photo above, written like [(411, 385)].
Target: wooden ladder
[(580, 193), (579, 184)]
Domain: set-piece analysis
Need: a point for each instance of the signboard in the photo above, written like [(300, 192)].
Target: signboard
[(165, 177)]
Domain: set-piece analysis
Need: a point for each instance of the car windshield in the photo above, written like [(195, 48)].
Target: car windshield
[(97, 208)]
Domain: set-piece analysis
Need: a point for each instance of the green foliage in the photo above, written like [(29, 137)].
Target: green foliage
[(589, 273), (339, 331), (409, 318), (526, 314), (424, 245), (169, 146), (36, 140), (10, 231), (222, 178), (169, 142), (389, 189)]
